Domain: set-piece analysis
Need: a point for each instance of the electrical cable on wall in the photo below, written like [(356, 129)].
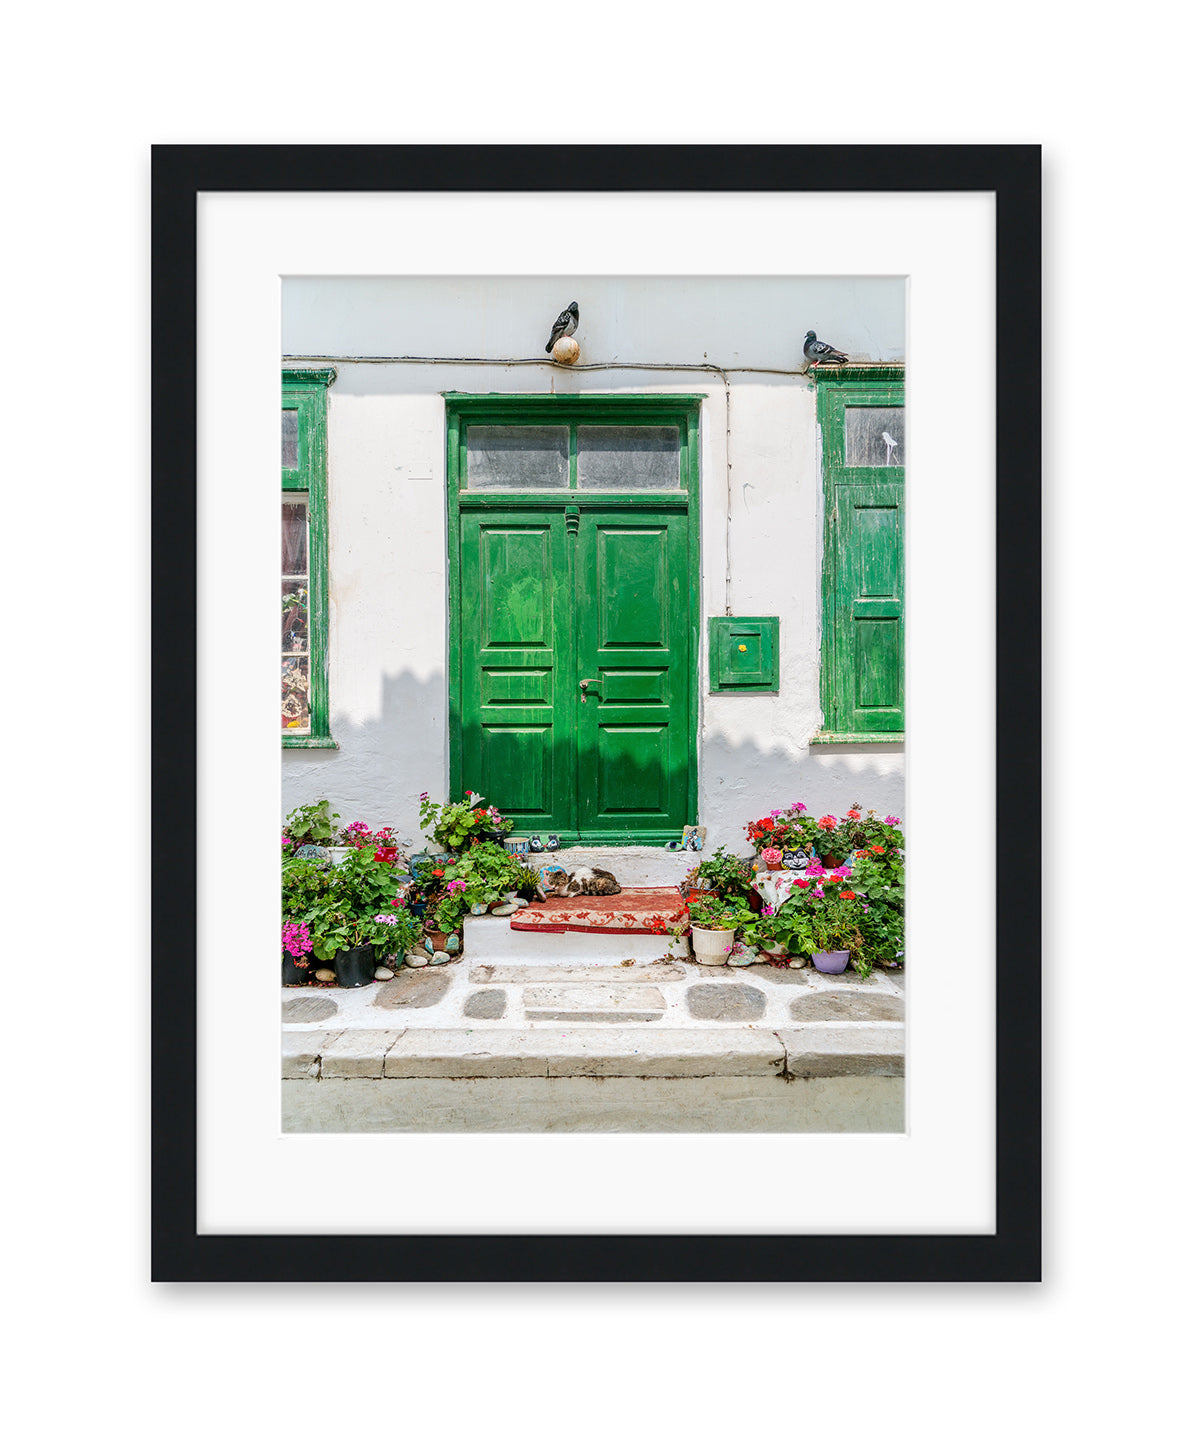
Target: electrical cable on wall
[(723, 371)]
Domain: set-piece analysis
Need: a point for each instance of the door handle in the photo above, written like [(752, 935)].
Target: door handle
[(583, 684)]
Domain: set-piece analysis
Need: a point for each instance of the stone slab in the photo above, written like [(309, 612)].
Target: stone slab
[(559, 1002), (650, 974), (780, 977), (414, 990), (357, 1054), (829, 1006), (301, 1051), (465, 1053), (726, 1002), (684, 1054), (594, 1017), (307, 1009), (824, 1049), (485, 1005)]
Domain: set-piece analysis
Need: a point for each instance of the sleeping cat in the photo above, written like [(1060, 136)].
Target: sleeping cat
[(585, 881)]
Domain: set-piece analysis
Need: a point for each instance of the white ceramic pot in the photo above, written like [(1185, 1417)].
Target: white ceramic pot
[(712, 947)]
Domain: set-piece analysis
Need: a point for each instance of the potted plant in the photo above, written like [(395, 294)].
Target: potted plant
[(835, 932), (297, 944), (444, 913), (789, 829), (715, 923), (461, 823), (765, 934), (310, 825), (489, 873), (393, 933), (722, 874)]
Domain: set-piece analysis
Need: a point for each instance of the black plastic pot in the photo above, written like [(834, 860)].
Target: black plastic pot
[(355, 967), (293, 974)]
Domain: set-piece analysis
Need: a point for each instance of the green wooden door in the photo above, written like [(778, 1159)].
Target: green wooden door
[(632, 732), (551, 600), (869, 606)]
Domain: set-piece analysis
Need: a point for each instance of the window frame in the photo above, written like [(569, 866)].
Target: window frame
[(305, 391), (877, 386)]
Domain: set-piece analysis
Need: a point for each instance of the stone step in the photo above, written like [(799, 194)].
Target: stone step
[(635, 866), (491, 940), (576, 974)]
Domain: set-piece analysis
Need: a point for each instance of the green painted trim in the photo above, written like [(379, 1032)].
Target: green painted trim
[(880, 737), (683, 410), (581, 499), (695, 565), (305, 379), (455, 461), (592, 403), (308, 397), (858, 374)]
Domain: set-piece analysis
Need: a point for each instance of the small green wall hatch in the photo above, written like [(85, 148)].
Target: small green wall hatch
[(743, 653)]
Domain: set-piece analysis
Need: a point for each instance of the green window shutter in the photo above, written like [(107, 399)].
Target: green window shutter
[(868, 608), (305, 473), (861, 414)]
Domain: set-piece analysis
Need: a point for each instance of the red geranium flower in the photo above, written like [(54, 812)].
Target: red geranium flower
[(847, 894), (853, 814), (826, 822), (878, 849)]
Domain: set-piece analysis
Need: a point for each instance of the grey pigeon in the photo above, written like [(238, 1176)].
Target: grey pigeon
[(816, 351), (566, 324)]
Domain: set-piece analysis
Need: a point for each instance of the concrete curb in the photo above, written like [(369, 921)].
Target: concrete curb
[(816, 1051)]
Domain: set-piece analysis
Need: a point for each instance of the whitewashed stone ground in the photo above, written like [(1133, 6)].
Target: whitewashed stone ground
[(674, 996)]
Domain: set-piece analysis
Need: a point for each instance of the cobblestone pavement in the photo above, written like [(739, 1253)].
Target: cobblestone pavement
[(675, 995)]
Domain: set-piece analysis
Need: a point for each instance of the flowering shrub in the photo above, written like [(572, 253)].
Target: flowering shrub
[(309, 825), (461, 823), (393, 932), (296, 942), (724, 874), (789, 829)]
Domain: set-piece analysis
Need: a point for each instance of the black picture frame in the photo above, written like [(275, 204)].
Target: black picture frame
[(179, 174)]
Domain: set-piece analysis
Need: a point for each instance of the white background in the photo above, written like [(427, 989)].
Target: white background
[(1099, 1347), (939, 1178)]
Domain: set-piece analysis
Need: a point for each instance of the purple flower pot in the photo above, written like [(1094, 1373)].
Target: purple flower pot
[(831, 962)]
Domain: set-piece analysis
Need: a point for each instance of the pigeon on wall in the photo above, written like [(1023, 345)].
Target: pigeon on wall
[(566, 324), (816, 351)]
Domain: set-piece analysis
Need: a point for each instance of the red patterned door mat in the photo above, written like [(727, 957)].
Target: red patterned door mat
[(640, 912)]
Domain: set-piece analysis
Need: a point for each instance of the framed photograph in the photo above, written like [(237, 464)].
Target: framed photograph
[(599, 524)]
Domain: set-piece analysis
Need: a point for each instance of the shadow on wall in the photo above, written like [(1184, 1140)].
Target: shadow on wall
[(382, 767)]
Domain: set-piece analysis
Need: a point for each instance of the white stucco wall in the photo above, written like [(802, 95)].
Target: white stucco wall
[(387, 510)]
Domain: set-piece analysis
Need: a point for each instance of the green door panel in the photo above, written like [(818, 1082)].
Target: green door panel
[(515, 633), (633, 728), (550, 600), (869, 605)]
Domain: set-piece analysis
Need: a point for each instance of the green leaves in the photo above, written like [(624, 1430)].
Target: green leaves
[(312, 824)]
